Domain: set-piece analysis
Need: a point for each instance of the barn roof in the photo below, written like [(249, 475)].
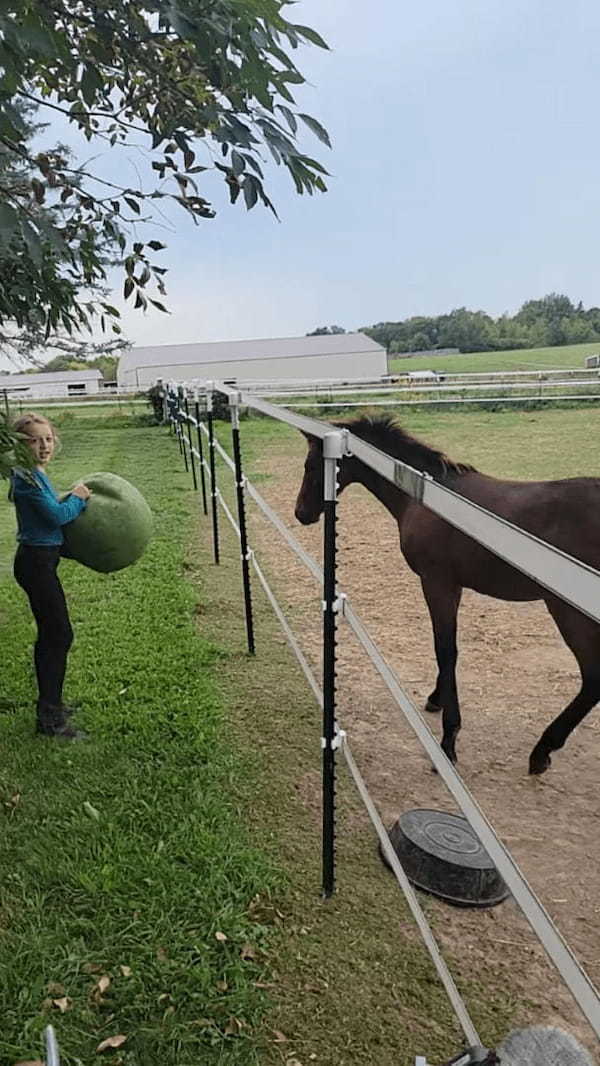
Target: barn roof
[(233, 351), (9, 381)]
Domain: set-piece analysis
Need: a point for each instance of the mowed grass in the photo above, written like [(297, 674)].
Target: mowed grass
[(563, 357), (126, 856)]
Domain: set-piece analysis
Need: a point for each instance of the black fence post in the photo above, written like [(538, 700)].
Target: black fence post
[(333, 449), (239, 483), (200, 451), (169, 407), (213, 476), (181, 420), (192, 458)]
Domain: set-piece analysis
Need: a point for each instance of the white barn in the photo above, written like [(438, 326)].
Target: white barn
[(24, 387), (342, 355)]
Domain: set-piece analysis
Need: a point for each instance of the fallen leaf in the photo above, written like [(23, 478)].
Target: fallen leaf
[(16, 799), (63, 1004), (161, 954), (91, 812), (222, 986), (234, 1027), (125, 970), (280, 1038), (103, 984), (54, 989), (92, 967), (293, 1062), (220, 937), (247, 952), (110, 1043)]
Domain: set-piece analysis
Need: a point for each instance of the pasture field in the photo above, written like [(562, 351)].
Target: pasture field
[(569, 356), (177, 851)]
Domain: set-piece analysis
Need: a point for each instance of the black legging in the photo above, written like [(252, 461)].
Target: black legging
[(35, 570)]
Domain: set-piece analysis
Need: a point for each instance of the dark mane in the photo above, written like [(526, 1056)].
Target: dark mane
[(383, 432)]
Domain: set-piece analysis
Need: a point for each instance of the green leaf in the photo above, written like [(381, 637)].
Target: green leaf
[(316, 128), (311, 35), (289, 117), (128, 288), (9, 221), (91, 84), (156, 246), (133, 204), (237, 163), (250, 187)]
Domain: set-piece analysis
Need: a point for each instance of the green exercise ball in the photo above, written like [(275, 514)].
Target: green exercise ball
[(115, 527)]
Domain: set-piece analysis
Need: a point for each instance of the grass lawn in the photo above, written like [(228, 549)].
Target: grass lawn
[(126, 856), (567, 356)]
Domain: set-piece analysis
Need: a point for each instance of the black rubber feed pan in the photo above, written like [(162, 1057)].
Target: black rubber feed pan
[(441, 855)]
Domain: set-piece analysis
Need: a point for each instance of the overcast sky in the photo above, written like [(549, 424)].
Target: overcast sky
[(465, 171)]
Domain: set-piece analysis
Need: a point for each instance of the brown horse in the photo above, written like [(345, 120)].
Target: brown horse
[(563, 513)]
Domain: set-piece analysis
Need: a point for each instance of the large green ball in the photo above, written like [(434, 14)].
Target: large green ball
[(115, 527)]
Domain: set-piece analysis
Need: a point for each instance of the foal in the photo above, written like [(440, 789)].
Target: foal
[(564, 513)]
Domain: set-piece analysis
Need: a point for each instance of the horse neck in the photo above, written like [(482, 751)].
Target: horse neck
[(393, 499)]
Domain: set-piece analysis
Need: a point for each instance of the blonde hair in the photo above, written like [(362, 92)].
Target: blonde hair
[(21, 424)]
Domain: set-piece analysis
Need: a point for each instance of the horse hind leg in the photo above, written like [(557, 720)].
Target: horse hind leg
[(582, 636), (443, 601)]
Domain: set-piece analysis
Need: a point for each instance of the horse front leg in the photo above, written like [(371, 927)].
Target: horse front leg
[(443, 601)]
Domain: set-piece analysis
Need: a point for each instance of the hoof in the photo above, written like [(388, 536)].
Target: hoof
[(432, 708), (539, 762)]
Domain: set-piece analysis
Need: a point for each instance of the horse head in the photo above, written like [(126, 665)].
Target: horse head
[(309, 502)]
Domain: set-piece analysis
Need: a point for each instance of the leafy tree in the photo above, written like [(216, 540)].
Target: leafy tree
[(164, 76), (23, 322), (326, 331), (539, 323)]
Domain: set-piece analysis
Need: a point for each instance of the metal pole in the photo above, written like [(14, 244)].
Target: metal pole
[(192, 460), (180, 417), (176, 413), (200, 451), (239, 481), (52, 1055), (213, 477), (333, 449)]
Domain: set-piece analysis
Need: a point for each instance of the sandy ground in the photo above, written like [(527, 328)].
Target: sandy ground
[(515, 675)]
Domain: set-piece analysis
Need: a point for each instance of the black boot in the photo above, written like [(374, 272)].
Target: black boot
[(69, 711), (52, 722)]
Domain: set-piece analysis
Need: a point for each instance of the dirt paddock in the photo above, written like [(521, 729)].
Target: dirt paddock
[(515, 674)]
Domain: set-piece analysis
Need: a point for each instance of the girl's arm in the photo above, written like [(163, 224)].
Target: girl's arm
[(50, 509)]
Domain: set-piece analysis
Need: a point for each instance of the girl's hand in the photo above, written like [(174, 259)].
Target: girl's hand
[(82, 491)]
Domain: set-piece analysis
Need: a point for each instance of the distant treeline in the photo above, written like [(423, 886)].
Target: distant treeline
[(538, 324)]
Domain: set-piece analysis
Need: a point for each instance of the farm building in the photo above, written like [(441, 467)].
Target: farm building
[(344, 355), (45, 386)]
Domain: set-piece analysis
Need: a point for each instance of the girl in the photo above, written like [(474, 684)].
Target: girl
[(40, 518)]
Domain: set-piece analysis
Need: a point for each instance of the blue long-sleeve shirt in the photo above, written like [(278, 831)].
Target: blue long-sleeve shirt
[(40, 515)]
